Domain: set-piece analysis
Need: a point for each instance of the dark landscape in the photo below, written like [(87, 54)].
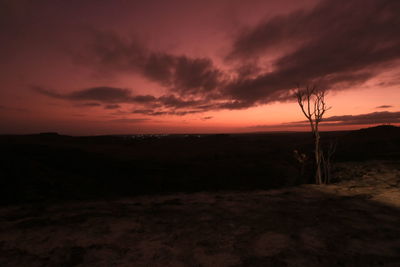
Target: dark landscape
[(198, 200), (52, 167), (201, 133)]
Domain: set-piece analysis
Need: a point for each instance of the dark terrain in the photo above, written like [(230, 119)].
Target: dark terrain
[(51, 167), (199, 201)]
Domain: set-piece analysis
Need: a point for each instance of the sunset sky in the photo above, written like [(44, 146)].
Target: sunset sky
[(124, 67)]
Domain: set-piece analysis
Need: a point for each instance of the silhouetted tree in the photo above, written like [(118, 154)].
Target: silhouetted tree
[(312, 103), (327, 161)]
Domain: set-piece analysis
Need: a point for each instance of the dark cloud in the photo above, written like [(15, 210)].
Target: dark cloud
[(89, 104), (207, 118), (112, 106), (338, 43), (143, 99), (384, 106), (152, 112), (382, 117), (195, 75), (173, 101), (111, 96), (142, 111), (269, 34), (179, 73), (369, 118), (135, 120), (331, 22), (102, 94), (46, 92), (234, 104), (394, 80)]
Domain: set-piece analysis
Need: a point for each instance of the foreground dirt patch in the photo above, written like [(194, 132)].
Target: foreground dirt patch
[(354, 223)]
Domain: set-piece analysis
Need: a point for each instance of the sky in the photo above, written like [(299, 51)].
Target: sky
[(124, 67)]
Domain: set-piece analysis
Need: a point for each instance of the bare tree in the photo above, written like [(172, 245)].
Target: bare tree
[(312, 103)]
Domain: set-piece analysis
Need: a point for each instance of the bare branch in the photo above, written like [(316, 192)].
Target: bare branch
[(312, 103)]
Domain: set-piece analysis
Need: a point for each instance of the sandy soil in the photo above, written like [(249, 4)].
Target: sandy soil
[(353, 223)]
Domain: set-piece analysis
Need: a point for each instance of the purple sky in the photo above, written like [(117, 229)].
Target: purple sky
[(103, 67)]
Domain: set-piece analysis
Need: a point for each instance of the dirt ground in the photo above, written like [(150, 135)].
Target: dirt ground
[(353, 223)]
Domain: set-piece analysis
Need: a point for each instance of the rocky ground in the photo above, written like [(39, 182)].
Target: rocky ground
[(355, 222)]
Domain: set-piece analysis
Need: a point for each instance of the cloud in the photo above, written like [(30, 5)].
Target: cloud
[(382, 117), (143, 99), (112, 106), (102, 94), (207, 118), (369, 118), (46, 92), (384, 106), (329, 23), (182, 74), (194, 76), (336, 45), (112, 97), (134, 120), (173, 101), (89, 104), (152, 112), (339, 44)]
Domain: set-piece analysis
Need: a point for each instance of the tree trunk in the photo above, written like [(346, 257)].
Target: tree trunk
[(318, 176)]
